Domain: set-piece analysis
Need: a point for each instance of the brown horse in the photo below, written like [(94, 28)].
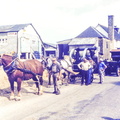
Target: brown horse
[(18, 70)]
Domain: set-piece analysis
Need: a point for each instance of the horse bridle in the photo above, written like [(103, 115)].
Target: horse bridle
[(5, 66)]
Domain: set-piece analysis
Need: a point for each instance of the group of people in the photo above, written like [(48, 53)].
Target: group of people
[(86, 67), (86, 70)]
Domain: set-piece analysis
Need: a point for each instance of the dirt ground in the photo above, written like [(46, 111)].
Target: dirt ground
[(3, 79)]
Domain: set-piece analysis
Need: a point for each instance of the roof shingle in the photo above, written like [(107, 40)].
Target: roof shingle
[(90, 32), (13, 28)]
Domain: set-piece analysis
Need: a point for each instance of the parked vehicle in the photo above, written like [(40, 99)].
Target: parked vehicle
[(113, 66)]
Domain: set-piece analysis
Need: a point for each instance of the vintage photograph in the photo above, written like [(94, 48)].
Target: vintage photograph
[(60, 60)]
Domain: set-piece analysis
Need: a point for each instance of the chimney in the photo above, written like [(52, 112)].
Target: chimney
[(111, 32), (110, 27)]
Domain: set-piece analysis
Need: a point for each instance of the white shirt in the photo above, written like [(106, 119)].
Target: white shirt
[(84, 65)]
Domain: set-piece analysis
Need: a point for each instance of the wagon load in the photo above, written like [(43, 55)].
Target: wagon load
[(77, 54), (67, 66)]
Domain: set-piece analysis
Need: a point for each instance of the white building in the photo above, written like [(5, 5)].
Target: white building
[(22, 39)]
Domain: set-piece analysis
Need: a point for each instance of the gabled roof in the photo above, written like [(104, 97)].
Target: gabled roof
[(50, 45), (116, 34), (83, 41), (50, 49), (13, 28), (16, 28), (64, 41), (103, 27), (90, 32)]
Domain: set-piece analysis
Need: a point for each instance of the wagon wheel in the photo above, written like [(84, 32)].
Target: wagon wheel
[(72, 78), (118, 71), (91, 77)]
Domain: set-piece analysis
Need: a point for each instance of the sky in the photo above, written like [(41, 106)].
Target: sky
[(57, 20)]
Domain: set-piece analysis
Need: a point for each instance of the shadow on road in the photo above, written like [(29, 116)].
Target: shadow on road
[(109, 118), (6, 92), (116, 83)]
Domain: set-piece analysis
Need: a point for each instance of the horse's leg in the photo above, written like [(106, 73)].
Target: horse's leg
[(19, 81), (12, 97), (66, 78), (36, 78), (39, 83), (62, 78), (49, 79)]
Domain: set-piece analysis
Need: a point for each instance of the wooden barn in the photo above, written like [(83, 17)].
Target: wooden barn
[(102, 37), (22, 39)]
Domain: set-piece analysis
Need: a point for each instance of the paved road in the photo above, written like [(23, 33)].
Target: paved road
[(94, 102)]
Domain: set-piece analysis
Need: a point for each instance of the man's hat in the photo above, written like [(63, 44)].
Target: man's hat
[(53, 59)]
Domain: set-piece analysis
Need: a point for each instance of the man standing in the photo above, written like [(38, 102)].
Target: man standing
[(101, 68), (91, 70), (55, 71), (84, 66)]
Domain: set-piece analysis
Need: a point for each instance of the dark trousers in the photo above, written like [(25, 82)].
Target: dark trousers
[(55, 82), (84, 77), (90, 72)]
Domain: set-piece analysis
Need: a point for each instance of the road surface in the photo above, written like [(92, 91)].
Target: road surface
[(76, 102)]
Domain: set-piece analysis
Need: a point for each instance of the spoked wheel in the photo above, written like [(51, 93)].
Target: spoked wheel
[(72, 78), (91, 77)]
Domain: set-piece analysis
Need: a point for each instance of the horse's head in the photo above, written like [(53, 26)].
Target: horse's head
[(5, 59), (48, 63)]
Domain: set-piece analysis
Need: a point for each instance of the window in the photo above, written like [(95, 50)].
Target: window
[(6, 40), (3, 41)]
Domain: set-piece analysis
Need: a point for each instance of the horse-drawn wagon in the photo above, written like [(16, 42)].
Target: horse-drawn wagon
[(75, 58), (78, 54), (70, 63)]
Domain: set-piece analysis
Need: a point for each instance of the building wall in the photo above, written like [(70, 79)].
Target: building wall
[(28, 39), (28, 42), (104, 46), (25, 41), (118, 44), (8, 42)]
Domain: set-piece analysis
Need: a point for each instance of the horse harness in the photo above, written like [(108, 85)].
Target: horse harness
[(11, 67)]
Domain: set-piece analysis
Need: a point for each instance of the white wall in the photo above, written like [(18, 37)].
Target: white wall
[(28, 40)]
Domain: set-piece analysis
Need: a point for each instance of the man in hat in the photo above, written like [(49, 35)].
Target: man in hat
[(55, 71), (101, 68)]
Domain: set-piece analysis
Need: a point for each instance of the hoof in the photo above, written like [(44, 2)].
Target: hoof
[(17, 98), (41, 93), (57, 93), (12, 98), (67, 84), (38, 93)]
